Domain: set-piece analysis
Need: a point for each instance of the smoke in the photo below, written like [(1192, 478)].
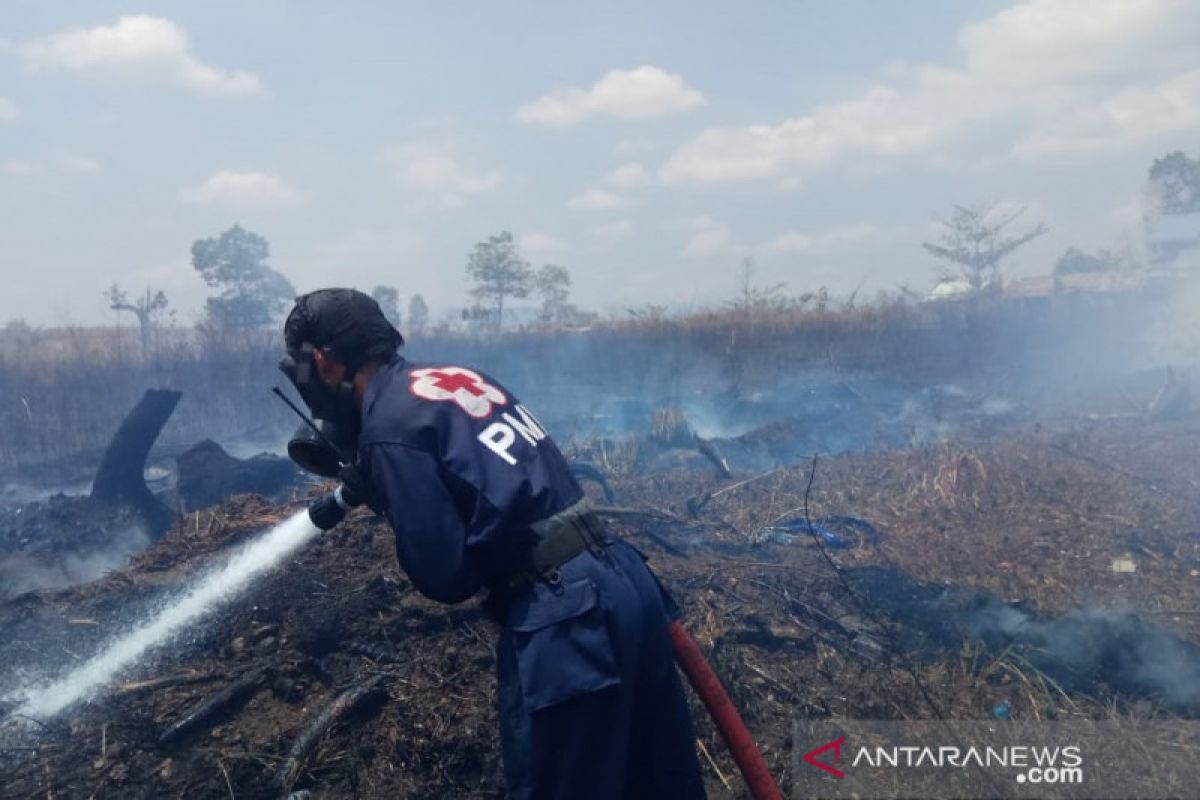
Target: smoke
[(21, 573), (1088, 645), (1173, 336), (16, 493)]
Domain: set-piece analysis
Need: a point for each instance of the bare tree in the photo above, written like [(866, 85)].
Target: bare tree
[(147, 309), (975, 241), (753, 299)]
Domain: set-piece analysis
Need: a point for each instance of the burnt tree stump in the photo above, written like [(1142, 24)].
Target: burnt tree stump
[(121, 478)]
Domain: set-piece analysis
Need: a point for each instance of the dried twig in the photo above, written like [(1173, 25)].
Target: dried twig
[(169, 680), (622, 511), (228, 784), (743, 482), (713, 764), (787, 694)]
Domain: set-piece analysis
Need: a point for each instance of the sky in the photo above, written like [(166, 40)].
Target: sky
[(648, 147)]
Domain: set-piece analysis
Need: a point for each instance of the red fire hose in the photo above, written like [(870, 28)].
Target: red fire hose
[(724, 714)]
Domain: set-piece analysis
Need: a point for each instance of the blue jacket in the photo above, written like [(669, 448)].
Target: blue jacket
[(462, 469)]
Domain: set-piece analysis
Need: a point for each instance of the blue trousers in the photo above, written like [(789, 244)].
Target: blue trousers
[(591, 704)]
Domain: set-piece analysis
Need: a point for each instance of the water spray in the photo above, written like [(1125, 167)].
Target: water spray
[(45, 700)]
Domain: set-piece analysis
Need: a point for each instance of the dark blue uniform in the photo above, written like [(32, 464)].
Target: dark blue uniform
[(591, 705)]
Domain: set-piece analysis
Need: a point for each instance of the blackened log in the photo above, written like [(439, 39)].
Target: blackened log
[(121, 478), (223, 704), (709, 451), (585, 471), (360, 698)]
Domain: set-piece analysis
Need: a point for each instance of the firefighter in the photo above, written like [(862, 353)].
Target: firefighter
[(480, 499)]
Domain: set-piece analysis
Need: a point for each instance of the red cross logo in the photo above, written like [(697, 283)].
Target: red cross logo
[(465, 387), (456, 381)]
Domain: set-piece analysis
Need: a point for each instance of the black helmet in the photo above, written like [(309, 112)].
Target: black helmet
[(352, 326), (348, 322)]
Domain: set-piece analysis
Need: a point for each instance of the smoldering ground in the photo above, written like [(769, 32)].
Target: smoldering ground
[(1080, 650), (1134, 655), (977, 468), (20, 573)]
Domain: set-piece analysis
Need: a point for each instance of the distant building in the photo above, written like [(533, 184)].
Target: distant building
[(950, 289), (1035, 286), (1107, 282)]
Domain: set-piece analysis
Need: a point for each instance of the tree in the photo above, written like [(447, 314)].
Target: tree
[(553, 284), (1175, 183), (975, 242), (146, 309), (253, 293), (1077, 262), (388, 298), (418, 313), (499, 271)]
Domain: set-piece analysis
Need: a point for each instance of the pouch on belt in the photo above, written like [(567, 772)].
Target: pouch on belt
[(563, 648)]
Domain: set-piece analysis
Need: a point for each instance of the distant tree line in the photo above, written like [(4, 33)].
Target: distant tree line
[(974, 241), (252, 295)]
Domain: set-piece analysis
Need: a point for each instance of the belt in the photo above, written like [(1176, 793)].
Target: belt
[(561, 537)]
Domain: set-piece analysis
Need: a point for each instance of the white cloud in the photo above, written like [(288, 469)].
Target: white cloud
[(708, 237), (819, 242), (8, 110), (59, 163), (17, 167), (882, 122), (432, 170), (245, 189), (1080, 40), (1065, 75), (646, 92), (142, 46), (628, 176), (538, 245), (616, 230), (597, 199), (1127, 117)]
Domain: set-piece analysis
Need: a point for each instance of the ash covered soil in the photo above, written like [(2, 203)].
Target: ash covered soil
[(1035, 523)]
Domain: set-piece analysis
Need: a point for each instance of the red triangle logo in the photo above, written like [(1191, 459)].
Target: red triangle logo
[(836, 747)]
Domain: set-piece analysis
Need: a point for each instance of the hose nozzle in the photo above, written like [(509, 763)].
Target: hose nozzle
[(328, 510)]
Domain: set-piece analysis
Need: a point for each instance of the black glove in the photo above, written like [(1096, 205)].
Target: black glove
[(357, 489), (328, 510)]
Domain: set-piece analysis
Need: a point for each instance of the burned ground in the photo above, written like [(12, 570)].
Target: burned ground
[(995, 564)]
